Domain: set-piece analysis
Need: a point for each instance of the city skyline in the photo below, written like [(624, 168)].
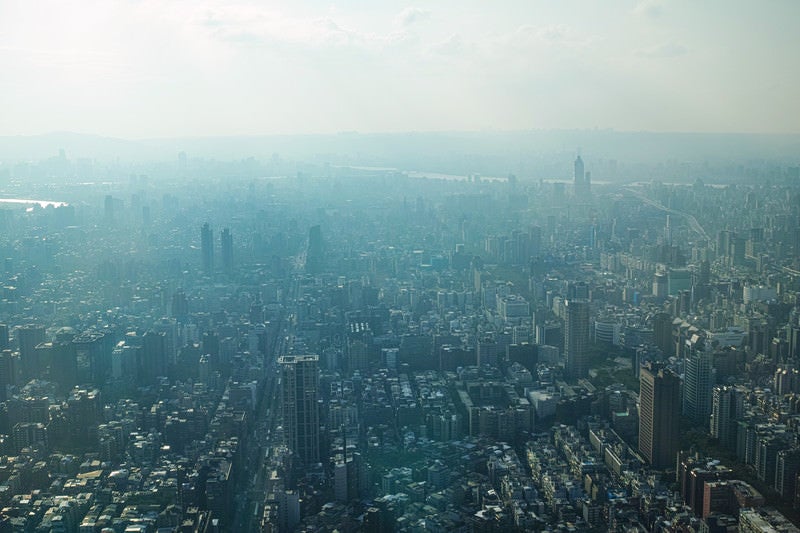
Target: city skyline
[(389, 267), (364, 348)]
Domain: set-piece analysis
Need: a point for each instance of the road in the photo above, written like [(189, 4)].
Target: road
[(264, 435), (692, 221)]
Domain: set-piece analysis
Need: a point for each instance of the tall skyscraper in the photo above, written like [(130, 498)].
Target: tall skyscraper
[(315, 251), (299, 405), (207, 248), (226, 241), (659, 415), (727, 408), (576, 338), (578, 175), (699, 379), (581, 180), (28, 338)]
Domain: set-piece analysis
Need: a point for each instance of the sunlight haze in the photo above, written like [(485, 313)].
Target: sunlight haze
[(153, 68)]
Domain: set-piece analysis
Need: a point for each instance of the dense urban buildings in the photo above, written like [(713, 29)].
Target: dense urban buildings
[(366, 349)]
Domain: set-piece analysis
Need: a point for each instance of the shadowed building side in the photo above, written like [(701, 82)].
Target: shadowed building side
[(659, 415)]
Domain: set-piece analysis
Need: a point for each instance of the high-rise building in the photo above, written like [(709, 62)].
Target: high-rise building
[(766, 456), (207, 248), (659, 415), (662, 333), (701, 280), (699, 381), (93, 350), (724, 238), (64, 364), (153, 359), (794, 341), (581, 180), (660, 285), (678, 279), (7, 372), (179, 308), (28, 338), (578, 175), (300, 380), (576, 338), (577, 290), (315, 251), (4, 337), (226, 241), (727, 407), (786, 472)]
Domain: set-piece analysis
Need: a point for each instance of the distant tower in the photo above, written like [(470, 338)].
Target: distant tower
[(315, 251), (578, 176), (226, 240), (207, 248), (659, 415), (576, 338), (581, 180), (300, 381)]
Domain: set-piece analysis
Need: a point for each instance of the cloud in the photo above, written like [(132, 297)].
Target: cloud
[(412, 15), (259, 25), (553, 37), (553, 34), (670, 49), (453, 45), (652, 9)]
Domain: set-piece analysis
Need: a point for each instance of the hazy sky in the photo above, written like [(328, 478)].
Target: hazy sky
[(157, 68)]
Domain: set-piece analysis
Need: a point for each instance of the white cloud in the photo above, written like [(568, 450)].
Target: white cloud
[(261, 25), (453, 45), (412, 15), (652, 9)]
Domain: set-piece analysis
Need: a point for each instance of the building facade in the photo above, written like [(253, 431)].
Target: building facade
[(659, 415), (299, 394)]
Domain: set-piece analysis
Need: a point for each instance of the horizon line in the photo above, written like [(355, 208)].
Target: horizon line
[(400, 132)]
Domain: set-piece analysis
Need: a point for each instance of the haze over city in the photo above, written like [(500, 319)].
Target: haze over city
[(390, 267), (155, 69)]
